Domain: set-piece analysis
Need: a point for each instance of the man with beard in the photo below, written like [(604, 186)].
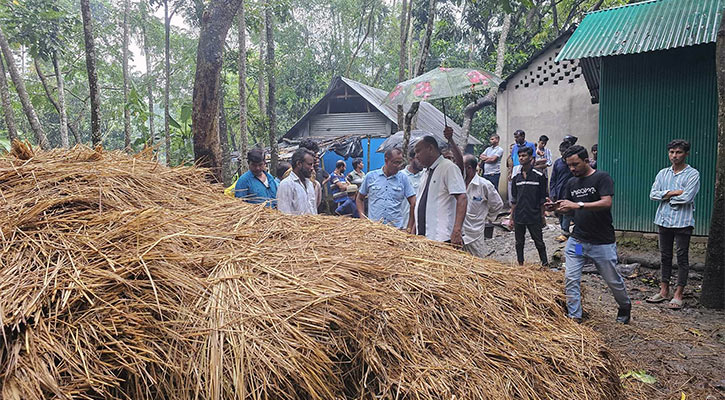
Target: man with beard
[(296, 192)]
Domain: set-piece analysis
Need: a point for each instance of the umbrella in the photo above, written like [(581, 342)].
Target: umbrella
[(440, 83), (396, 140)]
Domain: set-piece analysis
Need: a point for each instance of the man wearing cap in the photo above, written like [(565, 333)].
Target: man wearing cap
[(348, 207), (387, 188)]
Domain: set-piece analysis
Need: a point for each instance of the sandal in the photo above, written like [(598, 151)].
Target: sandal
[(675, 304), (656, 299)]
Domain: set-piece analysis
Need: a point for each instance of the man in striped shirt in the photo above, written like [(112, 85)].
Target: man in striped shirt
[(675, 189)]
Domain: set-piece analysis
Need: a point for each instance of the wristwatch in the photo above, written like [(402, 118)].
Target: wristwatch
[(580, 204)]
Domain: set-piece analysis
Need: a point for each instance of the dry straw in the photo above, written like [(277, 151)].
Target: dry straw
[(124, 279)]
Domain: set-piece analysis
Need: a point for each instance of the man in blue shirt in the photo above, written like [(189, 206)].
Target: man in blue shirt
[(387, 188), (520, 139), (257, 185), (674, 190)]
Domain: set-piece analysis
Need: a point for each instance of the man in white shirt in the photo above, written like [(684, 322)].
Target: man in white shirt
[(414, 171), (491, 160), (296, 193), (441, 207), (484, 203)]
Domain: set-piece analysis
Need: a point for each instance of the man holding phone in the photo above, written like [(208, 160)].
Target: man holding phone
[(589, 196)]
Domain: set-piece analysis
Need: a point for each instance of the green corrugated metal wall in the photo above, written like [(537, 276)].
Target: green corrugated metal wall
[(647, 100)]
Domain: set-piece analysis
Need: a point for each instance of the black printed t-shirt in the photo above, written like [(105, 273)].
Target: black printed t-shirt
[(528, 194), (592, 226)]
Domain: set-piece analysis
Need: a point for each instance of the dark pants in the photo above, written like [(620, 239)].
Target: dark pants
[(681, 237), (538, 237), (493, 178)]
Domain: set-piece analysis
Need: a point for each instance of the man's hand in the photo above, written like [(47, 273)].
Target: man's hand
[(672, 193), (448, 133), (456, 238), (566, 206), (549, 205), (410, 229), (483, 158)]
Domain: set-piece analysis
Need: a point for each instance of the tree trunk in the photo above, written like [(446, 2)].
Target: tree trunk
[(405, 10), (7, 104), (224, 138), (215, 23), (262, 82), (272, 103), (23, 94), (126, 111), (243, 145), (713, 282), (92, 76), (167, 69), (149, 73), (490, 98), (555, 16), (61, 102), (63, 116), (420, 68)]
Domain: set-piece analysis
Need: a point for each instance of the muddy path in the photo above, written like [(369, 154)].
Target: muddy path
[(684, 350)]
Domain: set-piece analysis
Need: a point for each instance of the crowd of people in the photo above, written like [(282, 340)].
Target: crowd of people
[(450, 197)]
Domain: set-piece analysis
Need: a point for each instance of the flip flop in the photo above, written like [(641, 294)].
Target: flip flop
[(656, 299), (675, 304)]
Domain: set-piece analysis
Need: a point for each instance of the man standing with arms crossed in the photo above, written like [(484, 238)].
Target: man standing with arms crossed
[(491, 161), (589, 197), (675, 189)]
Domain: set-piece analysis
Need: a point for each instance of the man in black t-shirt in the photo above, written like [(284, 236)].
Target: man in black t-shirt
[(589, 197), (528, 195)]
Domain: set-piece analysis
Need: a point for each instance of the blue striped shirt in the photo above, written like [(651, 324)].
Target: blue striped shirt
[(677, 211)]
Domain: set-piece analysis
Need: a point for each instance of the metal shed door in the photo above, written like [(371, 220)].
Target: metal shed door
[(334, 125)]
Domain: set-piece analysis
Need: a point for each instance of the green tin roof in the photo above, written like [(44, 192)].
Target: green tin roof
[(646, 26)]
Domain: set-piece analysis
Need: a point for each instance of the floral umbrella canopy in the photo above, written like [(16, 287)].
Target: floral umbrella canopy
[(441, 83)]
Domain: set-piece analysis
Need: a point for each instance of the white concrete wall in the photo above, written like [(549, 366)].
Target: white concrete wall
[(532, 102)]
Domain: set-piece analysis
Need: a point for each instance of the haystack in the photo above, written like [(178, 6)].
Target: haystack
[(124, 279)]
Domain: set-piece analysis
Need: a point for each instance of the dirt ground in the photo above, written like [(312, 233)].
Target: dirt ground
[(684, 350)]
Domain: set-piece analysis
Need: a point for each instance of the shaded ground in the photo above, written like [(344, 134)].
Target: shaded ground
[(684, 350)]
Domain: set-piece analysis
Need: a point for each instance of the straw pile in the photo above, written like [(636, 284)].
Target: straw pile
[(123, 279)]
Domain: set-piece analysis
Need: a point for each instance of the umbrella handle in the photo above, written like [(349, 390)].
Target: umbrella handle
[(445, 118)]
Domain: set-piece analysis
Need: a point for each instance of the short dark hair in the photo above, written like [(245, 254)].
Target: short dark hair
[(282, 167), (679, 143), (544, 138), (470, 161), (299, 156), (494, 135), (431, 141), (339, 163), (255, 156), (526, 149), (310, 145), (564, 145), (519, 132), (389, 152), (595, 147), (576, 150), (356, 162)]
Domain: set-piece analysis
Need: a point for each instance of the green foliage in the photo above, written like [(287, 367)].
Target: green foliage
[(315, 41)]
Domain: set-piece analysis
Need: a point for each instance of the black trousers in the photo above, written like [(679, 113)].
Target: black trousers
[(535, 230), (668, 238)]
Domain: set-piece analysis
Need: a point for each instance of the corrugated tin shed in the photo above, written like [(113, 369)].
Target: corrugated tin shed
[(429, 117), (646, 26)]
